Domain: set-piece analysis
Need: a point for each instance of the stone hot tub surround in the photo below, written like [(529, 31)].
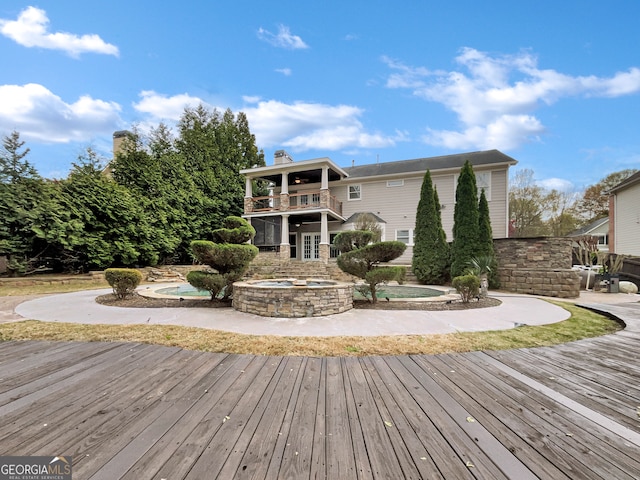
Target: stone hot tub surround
[(289, 297)]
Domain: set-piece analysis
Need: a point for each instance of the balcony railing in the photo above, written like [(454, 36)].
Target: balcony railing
[(297, 201)]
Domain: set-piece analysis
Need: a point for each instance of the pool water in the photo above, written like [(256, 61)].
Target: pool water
[(390, 291), (183, 291), (402, 291)]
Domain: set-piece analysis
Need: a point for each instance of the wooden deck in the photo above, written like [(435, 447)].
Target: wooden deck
[(138, 411)]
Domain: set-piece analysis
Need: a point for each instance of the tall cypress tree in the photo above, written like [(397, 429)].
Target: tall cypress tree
[(485, 235), (466, 233), (430, 251)]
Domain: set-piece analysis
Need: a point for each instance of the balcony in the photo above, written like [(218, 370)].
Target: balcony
[(294, 202)]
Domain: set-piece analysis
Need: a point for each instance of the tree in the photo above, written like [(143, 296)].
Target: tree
[(115, 227), (13, 165), (526, 205), (229, 255), (430, 251), (23, 196), (363, 259), (594, 203), (465, 244), (191, 182), (560, 212)]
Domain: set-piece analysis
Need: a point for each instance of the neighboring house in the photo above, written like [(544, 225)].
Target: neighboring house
[(624, 217), (598, 228), (313, 200)]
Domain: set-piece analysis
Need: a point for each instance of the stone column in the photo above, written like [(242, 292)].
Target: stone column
[(324, 246), (248, 196), (285, 248), (284, 193)]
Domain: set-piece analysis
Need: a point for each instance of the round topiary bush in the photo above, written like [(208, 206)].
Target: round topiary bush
[(124, 281), (467, 286)]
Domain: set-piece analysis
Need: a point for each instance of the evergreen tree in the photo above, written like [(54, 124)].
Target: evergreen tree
[(485, 235), (430, 251), (115, 227), (23, 195), (465, 245)]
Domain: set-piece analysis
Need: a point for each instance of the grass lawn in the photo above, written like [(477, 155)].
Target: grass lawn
[(582, 324)]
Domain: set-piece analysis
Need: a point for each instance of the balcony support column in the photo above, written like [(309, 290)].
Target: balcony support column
[(285, 248), (324, 246)]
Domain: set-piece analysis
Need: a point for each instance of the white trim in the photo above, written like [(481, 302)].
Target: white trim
[(411, 235), (359, 189), (395, 183)]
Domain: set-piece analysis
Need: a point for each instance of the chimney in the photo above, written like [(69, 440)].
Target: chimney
[(118, 140), (281, 157)]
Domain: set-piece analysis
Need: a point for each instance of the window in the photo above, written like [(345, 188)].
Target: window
[(483, 182), (603, 240), (405, 236), (395, 183), (355, 192)]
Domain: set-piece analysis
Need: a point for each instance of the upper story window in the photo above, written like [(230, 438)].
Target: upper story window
[(395, 183), (355, 192), (483, 182)]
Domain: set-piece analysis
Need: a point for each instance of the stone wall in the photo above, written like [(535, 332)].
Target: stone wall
[(537, 266), (296, 301)]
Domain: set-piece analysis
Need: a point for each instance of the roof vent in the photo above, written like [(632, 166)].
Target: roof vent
[(281, 157)]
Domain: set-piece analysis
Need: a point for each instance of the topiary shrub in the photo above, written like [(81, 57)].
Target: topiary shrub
[(364, 263), (467, 286), (230, 258), (212, 283), (123, 281), (352, 240)]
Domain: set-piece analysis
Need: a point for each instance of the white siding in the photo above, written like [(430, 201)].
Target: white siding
[(397, 205), (627, 221)]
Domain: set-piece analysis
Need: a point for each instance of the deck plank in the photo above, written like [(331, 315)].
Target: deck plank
[(140, 411)]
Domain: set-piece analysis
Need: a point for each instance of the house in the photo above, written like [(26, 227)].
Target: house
[(624, 217), (598, 228), (311, 201)]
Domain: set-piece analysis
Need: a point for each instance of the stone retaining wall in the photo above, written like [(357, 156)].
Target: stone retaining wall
[(537, 266)]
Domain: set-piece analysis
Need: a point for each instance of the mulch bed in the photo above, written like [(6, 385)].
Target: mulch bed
[(138, 301)]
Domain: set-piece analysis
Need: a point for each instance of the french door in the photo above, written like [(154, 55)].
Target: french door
[(310, 246)]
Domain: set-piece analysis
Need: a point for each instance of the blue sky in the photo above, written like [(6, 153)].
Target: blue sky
[(556, 85)]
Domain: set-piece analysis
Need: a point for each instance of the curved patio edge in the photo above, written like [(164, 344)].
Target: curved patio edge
[(81, 307)]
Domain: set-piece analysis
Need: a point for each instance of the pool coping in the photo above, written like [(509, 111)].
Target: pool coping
[(149, 291)]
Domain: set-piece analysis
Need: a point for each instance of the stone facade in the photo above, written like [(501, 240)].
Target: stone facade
[(537, 266), (295, 301)]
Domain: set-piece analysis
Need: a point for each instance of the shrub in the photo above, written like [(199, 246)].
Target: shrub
[(123, 280), (364, 263), (352, 240), (211, 282), (467, 286), (230, 258)]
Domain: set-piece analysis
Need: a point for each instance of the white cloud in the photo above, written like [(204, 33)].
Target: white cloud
[(283, 39), (162, 107), (31, 30), (285, 71), (40, 115), (494, 97), (306, 126), (559, 184)]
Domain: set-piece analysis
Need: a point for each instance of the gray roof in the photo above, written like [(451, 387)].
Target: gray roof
[(432, 163), (627, 182), (354, 218), (589, 227)]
